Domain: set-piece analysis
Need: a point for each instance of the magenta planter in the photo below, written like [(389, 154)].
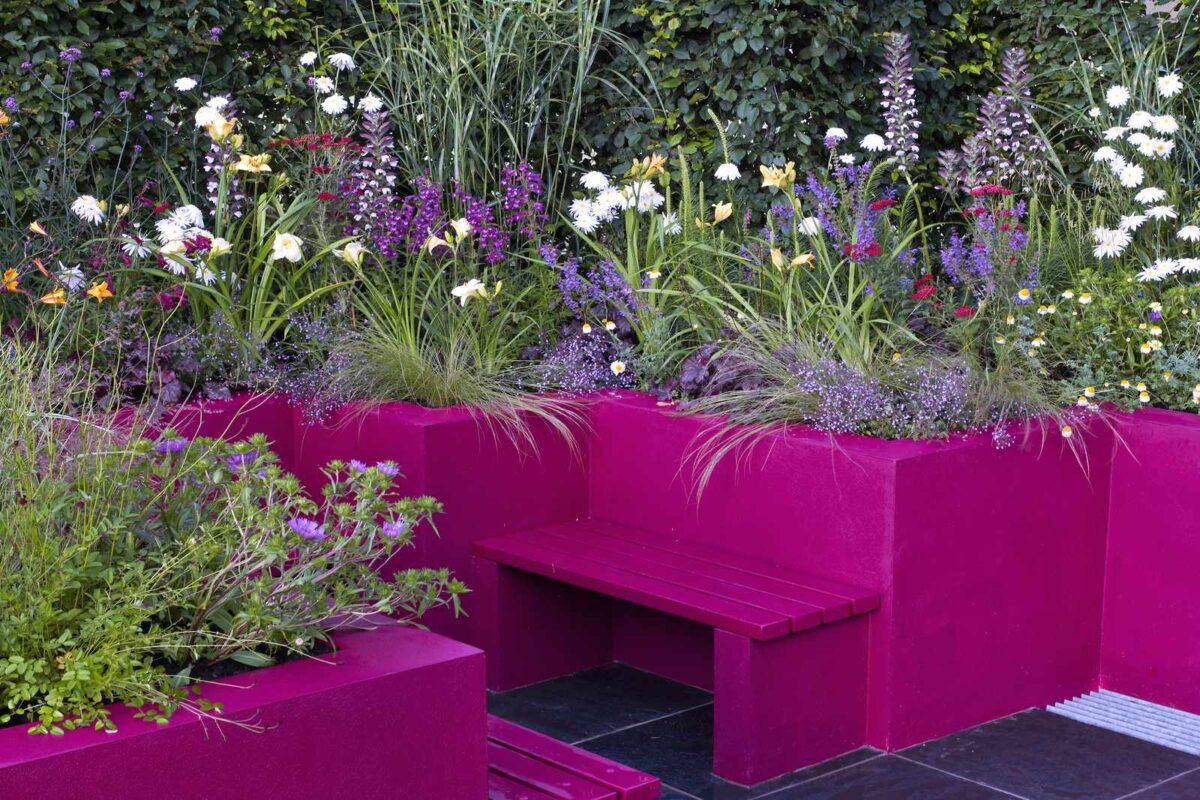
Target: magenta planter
[(1151, 640), (399, 714), (990, 561), (488, 481)]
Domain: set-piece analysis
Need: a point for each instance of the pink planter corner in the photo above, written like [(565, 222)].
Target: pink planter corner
[(1151, 635), (401, 713)]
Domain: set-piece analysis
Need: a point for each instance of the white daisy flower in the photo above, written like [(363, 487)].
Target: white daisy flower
[(809, 226), (323, 84), (205, 275), (1093, 112), (187, 216), (1139, 119), (185, 84), (134, 248), (1156, 148), (671, 226), (1131, 176), (1112, 134), (874, 143), (334, 104), (1189, 233), (1104, 154), (1166, 124), (1116, 96), (836, 134), (594, 180), (1138, 138), (581, 207), (88, 209), (586, 223), (1149, 195), (342, 62), (846, 159), (727, 172), (308, 59), (1189, 265), (1131, 222), (1161, 212), (1169, 85), (370, 103)]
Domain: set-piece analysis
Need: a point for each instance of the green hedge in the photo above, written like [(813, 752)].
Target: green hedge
[(782, 71), (142, 46)]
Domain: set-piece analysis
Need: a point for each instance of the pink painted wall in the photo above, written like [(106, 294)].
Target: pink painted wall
[(1151, 638), (401, 714), (990, 561)]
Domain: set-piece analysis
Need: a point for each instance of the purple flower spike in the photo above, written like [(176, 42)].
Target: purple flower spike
[(394, 530), (388, 468), (239, 460), (307, 528), (170, 446)]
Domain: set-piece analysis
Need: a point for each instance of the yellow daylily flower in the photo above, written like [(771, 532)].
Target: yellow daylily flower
[(99, 291), (36, 227), (11, 280), (648, 167), (56, 298), (249, 163), (779, 177), (4, 118), (803, 260), (721, 212)]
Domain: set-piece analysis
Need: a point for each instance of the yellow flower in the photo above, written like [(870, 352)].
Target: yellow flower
[(1082, 401), (4, 119), (56, 298), (1141, 387), (1145, 348), (1155, 330), (803, 260), (1085, 298), (36, 227), (1090, 391), (1011, 320), (897, 357), (777, 258), (1125, 384), (99, 291), (249, 163), (1024, 294), (721, 212), (779, 177), (617, 367), (1066, 431), (1000, 340), (586, 328), (647, 167), (353, 253), (11, 281), (1144, 397)]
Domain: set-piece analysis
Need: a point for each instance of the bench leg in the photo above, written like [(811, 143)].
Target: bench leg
[(533, 628), (788, 703)]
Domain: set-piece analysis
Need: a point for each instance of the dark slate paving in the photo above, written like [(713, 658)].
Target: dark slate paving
[(1185, 787), (889, 778), (1042, 756), (595, 702)]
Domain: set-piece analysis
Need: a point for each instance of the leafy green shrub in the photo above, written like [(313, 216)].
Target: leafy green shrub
[(127, 565)]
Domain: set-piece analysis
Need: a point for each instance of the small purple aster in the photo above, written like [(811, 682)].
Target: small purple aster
[(170, 446), (357, 466), (106, 73), (10, 103), (388, 468), (70, 55), (26, 65), (394, 530), (307, 528), (125, 95), (214, 34), (239, 460)]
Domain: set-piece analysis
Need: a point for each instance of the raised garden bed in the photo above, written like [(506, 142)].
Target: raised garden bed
[(398, 712)]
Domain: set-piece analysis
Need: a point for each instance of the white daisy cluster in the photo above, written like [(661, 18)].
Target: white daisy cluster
[(184, 224), (606, 200), (1141, 135)]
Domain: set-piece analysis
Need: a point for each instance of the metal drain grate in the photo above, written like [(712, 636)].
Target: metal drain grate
[(1162, 725)]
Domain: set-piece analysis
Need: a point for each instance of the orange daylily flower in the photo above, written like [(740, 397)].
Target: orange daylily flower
[(11, 280), (56, 298), (99, 291)]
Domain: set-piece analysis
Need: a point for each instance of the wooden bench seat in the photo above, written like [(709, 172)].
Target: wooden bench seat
[(680, 578), (527, 765), (787, 652)]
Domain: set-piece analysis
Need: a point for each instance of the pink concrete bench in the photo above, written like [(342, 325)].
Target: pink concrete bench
[(526, 765), (789, 650)]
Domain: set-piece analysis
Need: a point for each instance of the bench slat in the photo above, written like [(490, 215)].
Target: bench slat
[(861, 600), (628, 783), (543, 777), (801, 616), (679, 601), (833, 607)]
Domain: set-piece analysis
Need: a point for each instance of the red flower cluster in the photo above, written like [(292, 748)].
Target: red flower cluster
[(857, 252), (989, 188), (880, 205), (964, 311), (312, 141), (923, 287)]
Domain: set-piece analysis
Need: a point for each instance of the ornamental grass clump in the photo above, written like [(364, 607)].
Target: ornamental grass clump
[(133, 567)]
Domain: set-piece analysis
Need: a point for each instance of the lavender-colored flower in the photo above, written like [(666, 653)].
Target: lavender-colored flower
[(70, 55), (522, 188), (10, 103), (106, 73), (899, 100), (396, 529), (26, 65), (388, 468), (214, 33), (307, 528), (239, 460), (125, 95), (357, 466), (165, 446)]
